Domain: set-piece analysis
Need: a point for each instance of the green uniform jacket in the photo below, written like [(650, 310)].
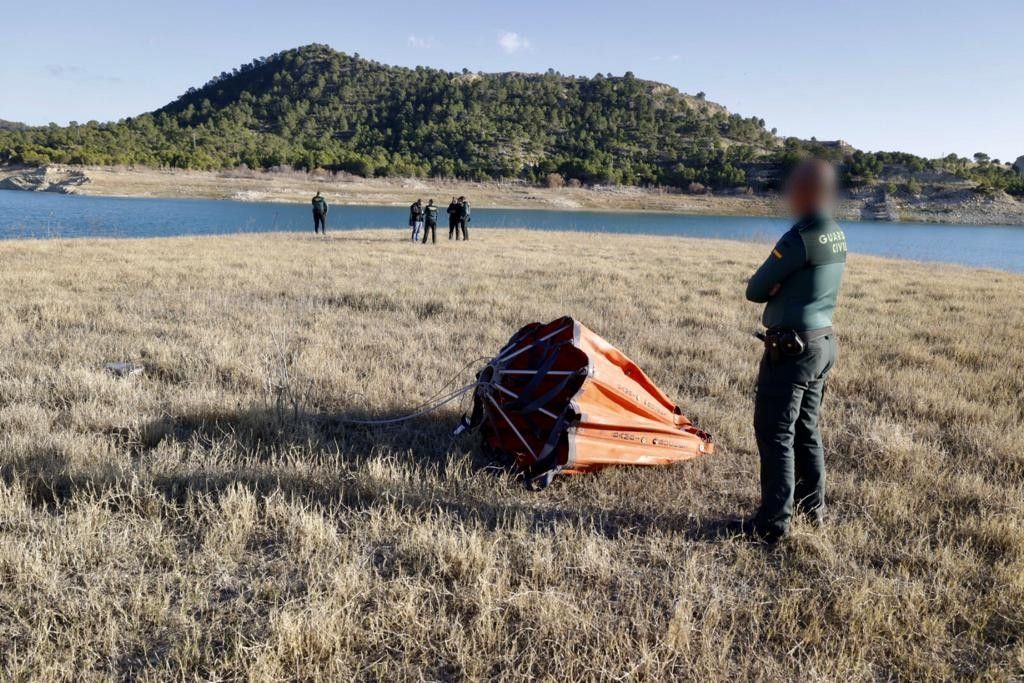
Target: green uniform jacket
[(320, 206), (431, 213), (808, 262)]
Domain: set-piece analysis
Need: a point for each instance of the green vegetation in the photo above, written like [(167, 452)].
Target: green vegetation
[(868, 168), (313, 107)]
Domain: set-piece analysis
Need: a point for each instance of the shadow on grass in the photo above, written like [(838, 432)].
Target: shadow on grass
[(261, 432), (338, 452)]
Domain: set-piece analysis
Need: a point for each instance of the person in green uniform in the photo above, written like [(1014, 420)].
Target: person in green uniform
[(453, 219), (319, 214), (430, 221), (799, 284)]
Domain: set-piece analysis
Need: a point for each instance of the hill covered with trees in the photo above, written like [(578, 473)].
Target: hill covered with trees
[(313, 107)]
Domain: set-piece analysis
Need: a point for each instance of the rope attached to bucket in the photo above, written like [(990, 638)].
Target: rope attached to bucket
[(433, 403), (445, 400)]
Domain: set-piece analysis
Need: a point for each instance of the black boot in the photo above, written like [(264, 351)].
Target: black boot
[(748, 530)]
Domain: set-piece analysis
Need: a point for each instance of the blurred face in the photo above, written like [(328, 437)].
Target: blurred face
[(801, 200), (811, 188)]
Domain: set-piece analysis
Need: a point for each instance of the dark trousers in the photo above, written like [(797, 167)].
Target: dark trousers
[(786, 411), (453, 228), (430, 228), (464, 226), (319, 222)]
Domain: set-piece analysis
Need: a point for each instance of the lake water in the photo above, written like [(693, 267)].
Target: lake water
[(48, 215)]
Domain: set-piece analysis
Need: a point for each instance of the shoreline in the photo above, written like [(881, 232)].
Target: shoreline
[(583, 209), (386, 236), (341, 190)]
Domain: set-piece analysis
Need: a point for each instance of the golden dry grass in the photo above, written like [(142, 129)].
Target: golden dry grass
[(215, 520)]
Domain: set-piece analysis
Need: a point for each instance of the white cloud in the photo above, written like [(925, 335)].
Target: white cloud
[(420, 42), (76, 73), (675, 58), (511, 42)]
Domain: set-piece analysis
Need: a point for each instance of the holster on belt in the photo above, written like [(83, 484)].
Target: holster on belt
[(780, 342)]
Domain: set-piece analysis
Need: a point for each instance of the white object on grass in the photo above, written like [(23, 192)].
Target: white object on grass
[(124, 369)]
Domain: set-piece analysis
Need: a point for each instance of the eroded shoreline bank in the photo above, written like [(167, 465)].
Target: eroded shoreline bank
[(958, 206)]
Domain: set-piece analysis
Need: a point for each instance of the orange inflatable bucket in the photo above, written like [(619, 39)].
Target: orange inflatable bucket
[(559, 398)]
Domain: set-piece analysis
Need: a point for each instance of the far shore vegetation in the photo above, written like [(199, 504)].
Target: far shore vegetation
[(315, 108)]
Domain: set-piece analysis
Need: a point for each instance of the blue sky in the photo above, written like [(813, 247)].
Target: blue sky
[(925, 77)]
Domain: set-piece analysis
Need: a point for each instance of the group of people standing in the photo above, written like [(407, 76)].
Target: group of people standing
[(424, 219)]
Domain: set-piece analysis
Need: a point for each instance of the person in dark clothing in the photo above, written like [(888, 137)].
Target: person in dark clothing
[(430, 221), (464, 218), (453, 219), (799, 284), (416, 219), (319, 214)]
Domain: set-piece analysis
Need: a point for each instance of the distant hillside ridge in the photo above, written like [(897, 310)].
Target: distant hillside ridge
[(314, 107), (318, 107)]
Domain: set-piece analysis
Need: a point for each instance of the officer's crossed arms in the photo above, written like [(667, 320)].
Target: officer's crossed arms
[(786, 258)]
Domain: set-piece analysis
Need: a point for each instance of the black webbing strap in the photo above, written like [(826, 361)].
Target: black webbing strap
[(540, 474), (470, 422), (516, 338), (528, 391), (527, 403), (544, 398)]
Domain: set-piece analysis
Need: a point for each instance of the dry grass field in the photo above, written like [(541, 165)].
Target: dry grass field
[(216, 518)]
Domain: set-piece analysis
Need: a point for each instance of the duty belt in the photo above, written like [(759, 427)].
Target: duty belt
[(805, 335), (781, 342), (811, 335)]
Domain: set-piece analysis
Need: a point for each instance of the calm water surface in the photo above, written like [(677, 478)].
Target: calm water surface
[(47, 215)]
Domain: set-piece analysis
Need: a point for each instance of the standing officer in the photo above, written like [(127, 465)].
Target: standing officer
[(798, 284), (453, 219), (464, 219), (319, 214), (430, 221)]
